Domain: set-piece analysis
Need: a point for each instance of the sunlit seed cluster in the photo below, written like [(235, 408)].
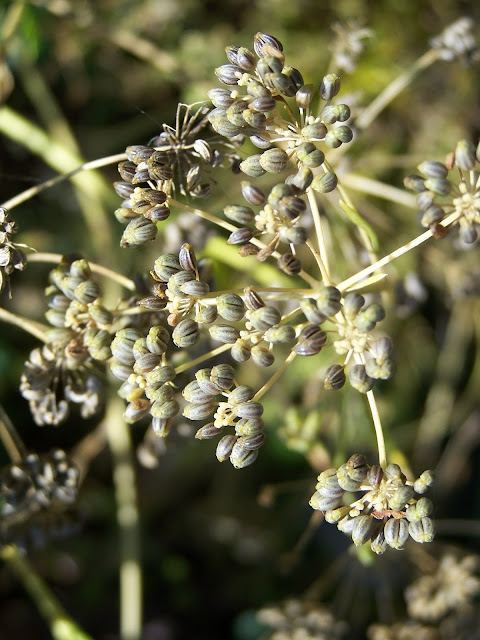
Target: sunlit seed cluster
[(388, 512), (450, 188)]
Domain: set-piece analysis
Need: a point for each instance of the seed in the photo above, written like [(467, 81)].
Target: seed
[(224, 447), (334, 377), (186, 333), (261, 356), (422, 531), (239, 213), (253, 195), (222, 376), (274, 160), (363, 529), (310, 341), (230, 306), (396, 532), (329, 86), (224, 333), (325, 183), (199, 411), (166, 265)]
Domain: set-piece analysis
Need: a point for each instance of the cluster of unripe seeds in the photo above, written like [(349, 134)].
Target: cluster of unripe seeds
[(389, 511), (440, 194), (69, 367)]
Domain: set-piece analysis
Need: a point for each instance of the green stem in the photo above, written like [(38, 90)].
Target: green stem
[(10, 438), (118, 435), (62, 627), (206, 356), (96, 268), (87, 166), (34, 328), (280, 371), (382, 453), (349, 282), (322, 247)]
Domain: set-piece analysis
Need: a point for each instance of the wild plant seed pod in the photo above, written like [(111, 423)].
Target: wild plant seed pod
[(195, 393), (166, 265), (209, 431), (422, 530), (249, 410), (230, 307), (280, 334), (222, 376), (396, 531), (363, 529), (431, 169), (264, 317), (165, 410), (304, 96), (425, 481), (253, 195), (225, 446), (186, 333), (274, 160), (310, 341), (199, 411), (465, 155), (240, 394), (241, 457), (240, 214), (378, 544), (160, 375), (329, 86), (321, 502), (249, 426), (400, 498), (206, 314), (334, 377), (240, 350), (195, 288), (224, 333), (252, 166), (345, 481), (262, 356)]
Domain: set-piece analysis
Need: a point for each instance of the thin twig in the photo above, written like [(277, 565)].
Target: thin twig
[(30, 326)]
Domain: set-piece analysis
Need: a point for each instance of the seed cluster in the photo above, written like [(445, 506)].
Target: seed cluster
[(441, 194), (297, 619), (37, 482), (386, 515), (176, 159), (69, 367)]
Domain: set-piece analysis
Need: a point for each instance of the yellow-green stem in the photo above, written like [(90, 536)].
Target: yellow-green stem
[(30, 326), (119, 440), (62, 627), (206, 356), (382, 453), (280, 371), (322, 247)]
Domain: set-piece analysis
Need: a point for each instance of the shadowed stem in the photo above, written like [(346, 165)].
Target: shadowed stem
[(119, 440), (10, 438), (62, 627), (34, 328), (87, 166)]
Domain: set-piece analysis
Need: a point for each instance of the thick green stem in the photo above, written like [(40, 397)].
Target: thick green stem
[(118, 435), (62, 627)]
